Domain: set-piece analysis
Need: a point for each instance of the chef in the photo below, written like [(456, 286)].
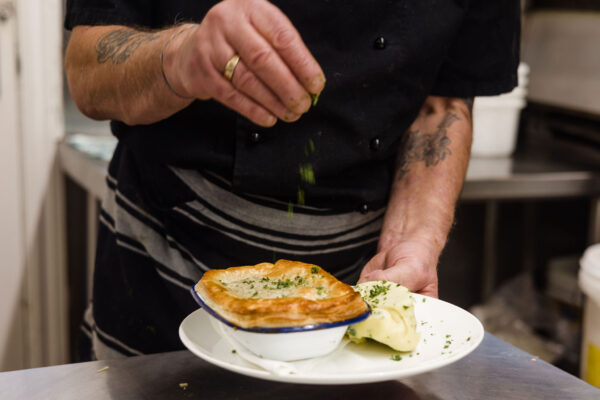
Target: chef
[(332, 132)]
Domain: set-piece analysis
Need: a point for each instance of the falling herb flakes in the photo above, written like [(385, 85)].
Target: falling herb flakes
[(300, 199), (307, 174)]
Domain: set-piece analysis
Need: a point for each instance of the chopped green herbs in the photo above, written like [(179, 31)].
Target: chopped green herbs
[(300, 199), (351, 331), (396, 357), (233, 351), (314, 270), (377, 290), (300, 281), (307, 174), (314, 99)]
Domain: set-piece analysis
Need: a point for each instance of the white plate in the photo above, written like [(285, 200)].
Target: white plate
[(448, 333)]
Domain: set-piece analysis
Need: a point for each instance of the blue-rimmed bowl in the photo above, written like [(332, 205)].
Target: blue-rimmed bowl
[(286, 343)]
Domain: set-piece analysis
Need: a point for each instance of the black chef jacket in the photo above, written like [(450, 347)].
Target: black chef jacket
[(381, 60)]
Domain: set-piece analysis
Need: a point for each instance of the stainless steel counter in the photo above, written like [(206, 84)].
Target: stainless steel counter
[(496, 370)]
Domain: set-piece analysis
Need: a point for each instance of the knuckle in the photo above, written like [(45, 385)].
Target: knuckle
[(261, 58), (255, 112), (223, 93), (232, 98), (283, 38), (216, 13), (245, 80)]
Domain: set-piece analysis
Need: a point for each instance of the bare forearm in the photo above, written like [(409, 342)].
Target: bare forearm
[(430, 172), (114, 72)]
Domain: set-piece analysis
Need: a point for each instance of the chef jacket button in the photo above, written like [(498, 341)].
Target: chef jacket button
[(375, 144), (380, 43), (255, 137), (364, 208)]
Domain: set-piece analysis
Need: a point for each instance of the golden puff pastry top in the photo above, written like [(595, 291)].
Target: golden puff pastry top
[(287, 293)]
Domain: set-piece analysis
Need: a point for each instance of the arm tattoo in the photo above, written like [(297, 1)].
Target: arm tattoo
[(120, 44), (432, 148)]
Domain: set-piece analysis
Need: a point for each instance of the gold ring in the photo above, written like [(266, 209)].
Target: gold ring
[(230, 67)]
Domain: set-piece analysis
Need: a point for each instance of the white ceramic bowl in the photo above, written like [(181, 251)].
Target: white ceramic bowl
[(496, 120), (284, 343)]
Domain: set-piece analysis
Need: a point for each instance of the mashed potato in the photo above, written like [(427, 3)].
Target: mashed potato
[(392, 321)]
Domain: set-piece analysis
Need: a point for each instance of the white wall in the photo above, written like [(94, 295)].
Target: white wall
[(12, 253), (33, 303)]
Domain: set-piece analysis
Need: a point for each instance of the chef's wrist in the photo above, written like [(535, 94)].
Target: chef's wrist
[(168, 61), (429, 241)]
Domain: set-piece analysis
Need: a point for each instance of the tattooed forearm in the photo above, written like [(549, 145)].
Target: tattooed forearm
[(120, 44), (432, 148)]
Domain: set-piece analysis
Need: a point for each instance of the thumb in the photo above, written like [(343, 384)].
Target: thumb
[(395, 274), (416, 280), (376, 263)]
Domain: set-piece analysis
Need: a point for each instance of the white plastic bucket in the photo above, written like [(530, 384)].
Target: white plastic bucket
[(496, 120), (589, 282)]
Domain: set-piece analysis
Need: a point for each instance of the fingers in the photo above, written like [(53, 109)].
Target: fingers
[(416, 277), (277, 29), (275, 76), (239, 102), (405, 277), (248, 83), (273, 50), (400, 275), (374, 264), (223, 91), (260, 57)]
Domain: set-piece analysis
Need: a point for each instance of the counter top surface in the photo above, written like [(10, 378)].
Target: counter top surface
[(495, 370)]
